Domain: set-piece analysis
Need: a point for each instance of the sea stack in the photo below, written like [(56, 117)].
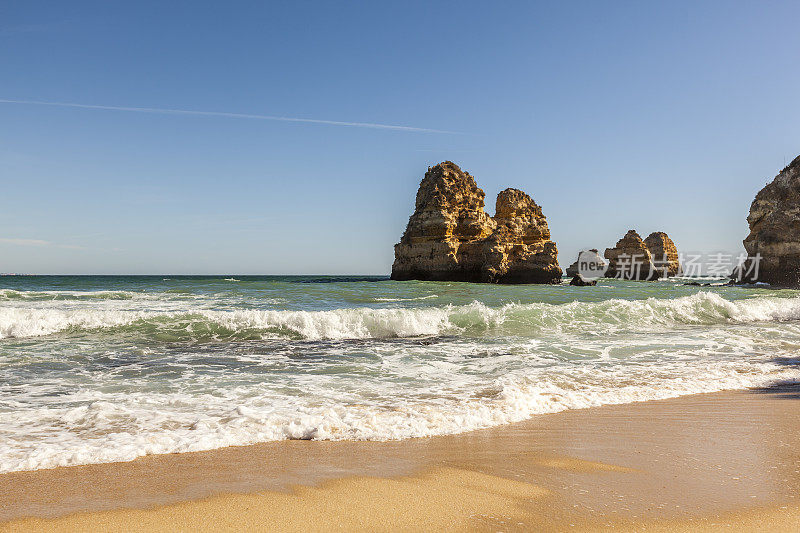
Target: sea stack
[(773, 245), (592, 255), (664, 254), (630, 259), (450, 237)]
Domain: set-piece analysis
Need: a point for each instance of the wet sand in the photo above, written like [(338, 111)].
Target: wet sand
[(693, 463)]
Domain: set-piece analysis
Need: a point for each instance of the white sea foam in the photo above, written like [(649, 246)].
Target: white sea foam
[(11, 294), (411, 299), (608, 316), (88, 400), (108, 427), (689, 279), (21, 323)]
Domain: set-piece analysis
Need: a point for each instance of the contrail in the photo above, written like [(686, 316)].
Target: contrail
[(161, 111)]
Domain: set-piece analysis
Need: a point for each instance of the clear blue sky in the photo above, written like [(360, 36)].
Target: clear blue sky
[(611, 115)]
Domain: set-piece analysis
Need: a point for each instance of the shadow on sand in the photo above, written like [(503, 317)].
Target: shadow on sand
[(788, 389)]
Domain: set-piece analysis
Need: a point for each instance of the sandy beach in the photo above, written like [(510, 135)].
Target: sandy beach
[(428, 266), (692, 463)]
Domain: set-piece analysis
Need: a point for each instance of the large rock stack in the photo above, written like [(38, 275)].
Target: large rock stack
[(450, 237), (630, 259), (773, 245), (664, 253)]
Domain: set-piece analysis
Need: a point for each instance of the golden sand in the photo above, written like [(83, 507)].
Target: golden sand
[(690, 464)]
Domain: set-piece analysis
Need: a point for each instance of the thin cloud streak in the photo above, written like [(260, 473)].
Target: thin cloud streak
[(161, 111), (24, 242), (38, 242)]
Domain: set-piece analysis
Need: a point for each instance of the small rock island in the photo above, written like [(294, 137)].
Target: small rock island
[(450, 237), (572, 270)]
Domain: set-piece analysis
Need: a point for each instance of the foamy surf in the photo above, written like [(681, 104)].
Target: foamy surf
[(120, 368), (609, 316), (164, 423)]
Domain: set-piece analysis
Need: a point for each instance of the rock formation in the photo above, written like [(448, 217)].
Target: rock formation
[(591, 255), (572, 270), (450, 237), (664, 253), (578, 281), (773, 245), (630, 259)]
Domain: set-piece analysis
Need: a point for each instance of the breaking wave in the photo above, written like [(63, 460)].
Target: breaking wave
[(593, 318), (10, 294), (96, 376), (112, 427)]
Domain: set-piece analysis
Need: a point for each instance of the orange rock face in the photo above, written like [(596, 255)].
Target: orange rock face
[(664, 253), (630, 259), (450, 237)]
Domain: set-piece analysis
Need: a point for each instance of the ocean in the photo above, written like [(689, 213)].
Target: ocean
[(109, 368)]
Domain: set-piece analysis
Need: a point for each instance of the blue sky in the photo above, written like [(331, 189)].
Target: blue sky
[(611, 115)]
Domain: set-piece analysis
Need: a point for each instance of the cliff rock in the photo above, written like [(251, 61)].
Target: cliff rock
[(450, 237), (774, 222), (664, 253), (630, 259)]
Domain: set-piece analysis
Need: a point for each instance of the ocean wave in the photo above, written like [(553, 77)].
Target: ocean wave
[(593, 318), (11, 294), (107, 427), (413, 298), (699, 279)]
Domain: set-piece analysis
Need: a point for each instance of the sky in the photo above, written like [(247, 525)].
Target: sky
[(290, 138)]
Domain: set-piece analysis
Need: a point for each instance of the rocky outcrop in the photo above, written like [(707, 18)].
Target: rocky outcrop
[(572, 270), (630, 259), (591, 255), (664, 254), (450, 237), (773, 245), (578, 281)]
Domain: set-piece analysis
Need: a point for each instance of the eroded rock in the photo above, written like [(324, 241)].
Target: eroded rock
[(630, 259), (664, 253), (773, 245), (450, 237)]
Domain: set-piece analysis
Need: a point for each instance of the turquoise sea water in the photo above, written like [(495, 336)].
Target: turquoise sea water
[(109, 368)]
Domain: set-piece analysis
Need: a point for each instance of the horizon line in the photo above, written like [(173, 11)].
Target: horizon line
[(251, 116), (24, 274)]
